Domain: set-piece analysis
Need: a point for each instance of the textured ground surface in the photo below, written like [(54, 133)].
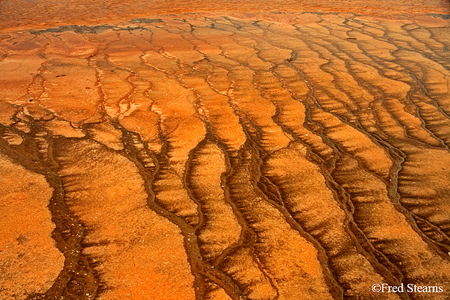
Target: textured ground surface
[(206, 151)]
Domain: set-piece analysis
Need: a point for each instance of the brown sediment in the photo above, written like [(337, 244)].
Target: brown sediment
[(29, 259), (312, 205), (219, 153), (136, 252)]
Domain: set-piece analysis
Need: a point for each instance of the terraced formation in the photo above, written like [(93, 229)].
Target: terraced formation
[(226, 151)]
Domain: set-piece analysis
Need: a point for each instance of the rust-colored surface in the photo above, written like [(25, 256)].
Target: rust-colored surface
[(224, 150)]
